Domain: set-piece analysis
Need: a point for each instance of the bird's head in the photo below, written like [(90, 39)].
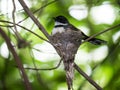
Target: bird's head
[(61, 20)]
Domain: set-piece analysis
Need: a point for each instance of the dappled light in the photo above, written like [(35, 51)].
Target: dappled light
[(30, 59)]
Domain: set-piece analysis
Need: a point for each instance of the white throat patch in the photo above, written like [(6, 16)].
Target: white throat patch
[(58, 30)]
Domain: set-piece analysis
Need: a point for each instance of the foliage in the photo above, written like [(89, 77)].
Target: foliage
[(105, 71)]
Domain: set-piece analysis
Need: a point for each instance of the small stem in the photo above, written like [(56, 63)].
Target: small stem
[(87, 77), (17, 60), (46, 68), (30, 14), (101, 33), (23, 28)]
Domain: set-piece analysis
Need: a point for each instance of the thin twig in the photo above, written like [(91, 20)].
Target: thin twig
[(87, 77), (23, 28), (101, 33), (20, 41), (46, 68), (17, 60), (38, 10), (38, 75), (13, 16), (30, 14), (110, 55)]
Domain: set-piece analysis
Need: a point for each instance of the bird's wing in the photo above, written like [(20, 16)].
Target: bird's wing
[(95, 41), (84, 37)]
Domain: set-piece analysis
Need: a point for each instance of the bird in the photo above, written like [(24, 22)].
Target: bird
[(67, 38)]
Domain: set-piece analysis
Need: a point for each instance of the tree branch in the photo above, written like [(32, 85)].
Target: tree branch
[(30, 14), (23, 28), (100, 33), (17, 60), (87, 77), (46, 68), (38, 10)]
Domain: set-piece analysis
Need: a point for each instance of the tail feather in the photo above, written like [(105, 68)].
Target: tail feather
[(97, 41), (94, 40)]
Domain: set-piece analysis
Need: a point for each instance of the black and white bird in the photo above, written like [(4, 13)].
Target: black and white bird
[(68, 38), (62, 25)]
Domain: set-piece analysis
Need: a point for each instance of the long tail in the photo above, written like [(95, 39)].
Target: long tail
[(97, 41), (69, 69), (94, 40)]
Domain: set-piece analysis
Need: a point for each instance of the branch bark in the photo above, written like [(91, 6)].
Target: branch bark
[(23, 28), (39, 9), (30, 14), (87, 77), (111, 28), (17, 60)]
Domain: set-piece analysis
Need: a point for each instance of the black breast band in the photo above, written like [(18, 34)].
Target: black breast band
[(59, 26)]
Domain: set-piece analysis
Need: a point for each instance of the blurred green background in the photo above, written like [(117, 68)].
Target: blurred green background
[(102, 63)]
